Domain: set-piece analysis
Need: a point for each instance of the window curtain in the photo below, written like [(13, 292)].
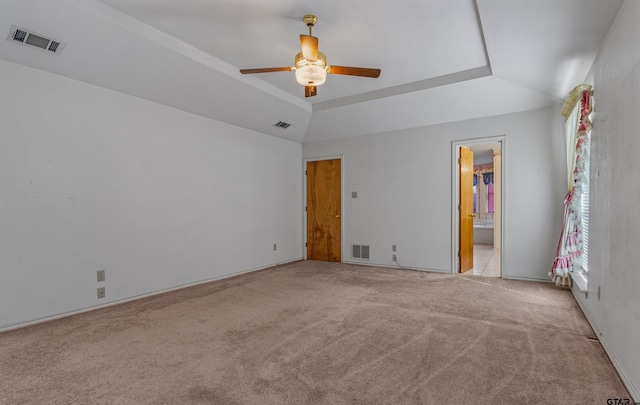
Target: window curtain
[(490, 198), (487, 177), (576, 111)]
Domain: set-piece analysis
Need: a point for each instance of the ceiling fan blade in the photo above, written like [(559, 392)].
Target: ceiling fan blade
[(309, 46), (266, 70), (310, 91), (353, 71)]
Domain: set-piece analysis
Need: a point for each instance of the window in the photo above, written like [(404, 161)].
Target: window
[(580, 203), (584, 204), (483, 191), (475, 193), (572, 258)]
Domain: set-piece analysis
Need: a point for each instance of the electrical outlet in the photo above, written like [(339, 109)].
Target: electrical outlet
[(394, 258), (100, 275), (101, 292), (274, 246)]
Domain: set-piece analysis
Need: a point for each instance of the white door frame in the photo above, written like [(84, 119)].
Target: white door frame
[(304, 203), (455, 188)]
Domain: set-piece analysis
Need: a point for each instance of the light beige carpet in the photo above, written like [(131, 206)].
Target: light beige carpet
[(319, 333)]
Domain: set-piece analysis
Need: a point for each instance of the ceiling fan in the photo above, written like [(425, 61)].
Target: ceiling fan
[(311, 65)]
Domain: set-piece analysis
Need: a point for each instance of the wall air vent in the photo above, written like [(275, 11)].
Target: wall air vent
[(360, 252), (26, 37), (282, 124)]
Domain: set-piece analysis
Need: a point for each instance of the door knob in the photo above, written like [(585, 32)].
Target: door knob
[(338, 216)]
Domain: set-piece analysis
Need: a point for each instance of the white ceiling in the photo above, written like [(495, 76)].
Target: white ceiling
[(483, 152), (441, 60)]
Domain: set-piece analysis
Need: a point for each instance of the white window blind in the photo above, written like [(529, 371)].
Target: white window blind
[(584, 205)]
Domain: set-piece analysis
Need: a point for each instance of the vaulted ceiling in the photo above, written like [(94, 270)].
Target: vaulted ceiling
[(441, 60)]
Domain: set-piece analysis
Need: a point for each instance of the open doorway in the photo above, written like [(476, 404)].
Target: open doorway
[(478, 175)]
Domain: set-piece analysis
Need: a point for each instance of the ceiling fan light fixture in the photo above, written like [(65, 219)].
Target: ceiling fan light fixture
[(311, 72), (311, 75)]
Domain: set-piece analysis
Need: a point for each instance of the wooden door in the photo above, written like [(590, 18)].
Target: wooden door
[(466, 209), (324, 197)]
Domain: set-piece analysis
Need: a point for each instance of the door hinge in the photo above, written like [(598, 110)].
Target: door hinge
[(305, 208), (458, 253), (305, 172), (305, 244), (459, 161), (458, 207)]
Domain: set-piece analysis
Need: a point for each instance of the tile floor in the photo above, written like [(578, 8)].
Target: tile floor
[(486, 262)]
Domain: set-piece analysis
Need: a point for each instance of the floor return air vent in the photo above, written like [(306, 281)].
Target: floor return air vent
[(360, 251)]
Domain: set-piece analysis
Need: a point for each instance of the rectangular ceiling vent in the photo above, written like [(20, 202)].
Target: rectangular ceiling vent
[(360, 252), (26, 37), (282, 124)]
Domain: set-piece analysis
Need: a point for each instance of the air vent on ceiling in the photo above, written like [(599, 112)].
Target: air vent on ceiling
[(360, 251), (282, 124), (26, 37)]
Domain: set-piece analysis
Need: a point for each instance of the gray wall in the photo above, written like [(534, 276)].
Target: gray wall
[(93, 179), (404, 185), (614, 235)]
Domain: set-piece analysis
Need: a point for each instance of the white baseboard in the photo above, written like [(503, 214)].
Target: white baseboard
[(35, 321), (395, 266), (635, 393)]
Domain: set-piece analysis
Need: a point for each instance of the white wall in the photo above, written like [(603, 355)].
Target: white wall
[(614, 235), (404, 186), (93, 179)]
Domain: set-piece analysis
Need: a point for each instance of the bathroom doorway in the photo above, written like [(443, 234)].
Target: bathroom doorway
[(486, 192)]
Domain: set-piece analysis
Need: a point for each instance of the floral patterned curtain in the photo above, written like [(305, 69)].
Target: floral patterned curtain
[(576, 110)]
